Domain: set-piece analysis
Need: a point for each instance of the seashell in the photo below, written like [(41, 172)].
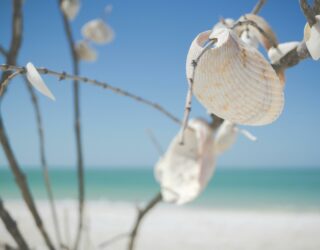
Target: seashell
[(312, 38), (255, 32), (234, 81), (37, 82), (85, 52), (226, 136), (223, 23), (185, 170), (70, 8), (98, 31), (249, 39), (275, 54)]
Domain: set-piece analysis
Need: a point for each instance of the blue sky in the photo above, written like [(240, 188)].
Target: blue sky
[(147, 57)]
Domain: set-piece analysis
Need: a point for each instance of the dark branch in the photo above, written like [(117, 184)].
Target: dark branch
[(141, 214), (12, 228), (308, 12)]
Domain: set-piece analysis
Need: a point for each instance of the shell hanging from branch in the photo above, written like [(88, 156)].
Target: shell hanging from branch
[(185, 170), (226, 136), (312, 38), (275, 54), (37, 82), (249, 39), (98, 31), (234, 81), (85, 52), (70, 8), (254, 32)]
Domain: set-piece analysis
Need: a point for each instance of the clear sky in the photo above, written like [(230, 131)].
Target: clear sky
[(147, 57)]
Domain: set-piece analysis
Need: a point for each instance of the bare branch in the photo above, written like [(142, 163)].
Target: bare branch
[(11, 58), (141, 214), (308, 12), (113, 240), (44, 164), (187, 108), (316, 7), (258, 7), (77, 126), (12, 228), (64, 75)]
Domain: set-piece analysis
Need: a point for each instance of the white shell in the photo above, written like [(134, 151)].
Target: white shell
[(225, 137), (255, 32), (275, 54), (185, 170), (36, 81), (224, 23), (312, 38), (249, 39), (234, 81), (98, 31), (70, 8), (85, 52)]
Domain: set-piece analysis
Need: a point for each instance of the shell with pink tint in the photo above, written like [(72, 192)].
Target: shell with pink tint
[(312, 38), (234, 81), (184, 170)]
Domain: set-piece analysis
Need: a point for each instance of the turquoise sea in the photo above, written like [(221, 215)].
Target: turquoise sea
[(297, 189)]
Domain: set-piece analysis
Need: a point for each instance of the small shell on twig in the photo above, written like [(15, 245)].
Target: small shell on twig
[(275, 54), (226, 136), (98, 31), (185, 170), (85, 52), (312, 38), (234, 81), (36, 81), (223, 23), (70, 8), (263, 24)]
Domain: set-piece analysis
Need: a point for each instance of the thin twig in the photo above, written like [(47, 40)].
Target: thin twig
[(64, 75), (43, 159), (155, 142), (12, 54), (113, 240), (7, 80), (141, 214), (187, 108), (12, 227), (77, 127), (258, 7), (308, 12), (316, 7)]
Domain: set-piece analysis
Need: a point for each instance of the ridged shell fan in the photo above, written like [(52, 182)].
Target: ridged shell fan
[(234, 81)]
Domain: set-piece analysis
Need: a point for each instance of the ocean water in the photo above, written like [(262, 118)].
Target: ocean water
[(288, 189)]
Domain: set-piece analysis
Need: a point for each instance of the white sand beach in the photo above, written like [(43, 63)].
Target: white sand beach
[(172, 228)]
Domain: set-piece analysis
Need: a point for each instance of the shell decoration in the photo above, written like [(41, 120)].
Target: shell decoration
[(184, 170), (275, 54), (226, 136), (312, 38), (85, 52), (253, 31), (70, 8), (223, 23), (36, 81), (97, 31), (234, 81)]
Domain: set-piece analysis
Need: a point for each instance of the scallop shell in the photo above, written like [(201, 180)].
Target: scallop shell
[(225, 137), (98, 31), (249, 39), (70, 8), (275, 54), (234, 81), (312, 38), (85, 52), (36, 81), (185, 170), (255, 32)]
